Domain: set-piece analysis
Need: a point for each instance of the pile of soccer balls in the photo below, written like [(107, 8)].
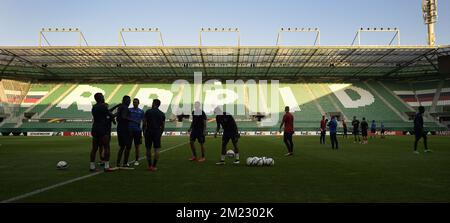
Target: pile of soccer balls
[(260, 161)]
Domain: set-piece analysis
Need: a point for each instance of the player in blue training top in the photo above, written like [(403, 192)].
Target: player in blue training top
[(137, 115), (373, 129), (333, 130)]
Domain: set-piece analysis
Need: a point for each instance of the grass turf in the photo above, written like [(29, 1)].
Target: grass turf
[(382, 171)]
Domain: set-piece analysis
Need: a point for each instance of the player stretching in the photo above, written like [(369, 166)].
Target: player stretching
[(99, 132), (197, 131), (419, 130), (137, 115), (364, 128), (230, 131), (355, 124), (333, 129), (154, 121), (123, 131), (288, 122), (323, 129)]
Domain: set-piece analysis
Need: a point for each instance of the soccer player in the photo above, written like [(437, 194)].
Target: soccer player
[(154, 123), (137, 115), (197, 131), (419, 130), (323, 129), (373, 129), (230, 131), (109, 121), (333, 130), (382, 130), (364, 128), (288, 122), (355, 124), (123, 131), (99, 132), (344, 126)]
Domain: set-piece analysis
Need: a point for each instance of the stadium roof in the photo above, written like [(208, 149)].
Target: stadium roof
[(137, 62)]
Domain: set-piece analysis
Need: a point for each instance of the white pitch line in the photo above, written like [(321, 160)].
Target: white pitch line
[(38, 191)]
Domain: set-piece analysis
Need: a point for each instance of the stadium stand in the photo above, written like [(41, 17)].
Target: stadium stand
[(66, 106), (42, 90)]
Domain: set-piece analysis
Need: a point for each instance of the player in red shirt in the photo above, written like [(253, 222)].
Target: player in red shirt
[(288, 122), (323, 129)]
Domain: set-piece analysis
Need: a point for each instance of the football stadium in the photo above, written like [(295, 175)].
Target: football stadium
[(47, 98)]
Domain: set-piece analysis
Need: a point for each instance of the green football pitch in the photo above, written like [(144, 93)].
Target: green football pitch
[(385, 170)]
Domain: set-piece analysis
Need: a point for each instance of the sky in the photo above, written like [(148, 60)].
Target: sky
[(180, 21)]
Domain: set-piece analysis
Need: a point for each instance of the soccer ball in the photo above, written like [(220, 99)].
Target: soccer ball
[(260, 162), (264, 160), (61, 165), (249, 161), (230, 153), (269, 162), (255, 161)]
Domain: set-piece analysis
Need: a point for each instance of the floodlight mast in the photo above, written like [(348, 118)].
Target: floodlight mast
[(430, 14), (147, 30), (76, 30), (370, 30), (304, 30), (233, 30)]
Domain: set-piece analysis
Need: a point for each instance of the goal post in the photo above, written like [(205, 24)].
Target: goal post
[(12, 93)]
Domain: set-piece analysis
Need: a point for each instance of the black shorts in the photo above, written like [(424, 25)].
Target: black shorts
[(98, 135), (197, 136), (227, 136), (153, 139), (98, 132), (124, 137), (100, 139), (420, 134), (136, 135), (364, 132), (287, 136)]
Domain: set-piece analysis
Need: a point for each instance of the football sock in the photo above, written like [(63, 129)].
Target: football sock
[(92, 165), (106, 164), (154, 162), (222, 158), (237, 156)]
